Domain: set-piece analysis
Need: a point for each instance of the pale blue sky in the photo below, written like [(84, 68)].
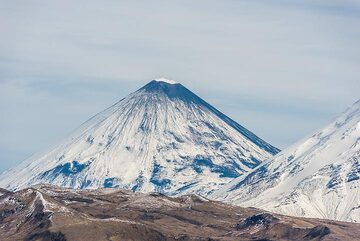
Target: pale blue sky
[(280, 68)]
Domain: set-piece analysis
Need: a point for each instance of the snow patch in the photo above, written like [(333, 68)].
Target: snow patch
[(165, 80)]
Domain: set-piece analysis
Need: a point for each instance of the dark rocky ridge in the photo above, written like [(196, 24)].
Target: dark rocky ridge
[(50, 213)]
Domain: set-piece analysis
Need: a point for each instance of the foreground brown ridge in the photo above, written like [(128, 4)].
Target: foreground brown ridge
[(56, 214)]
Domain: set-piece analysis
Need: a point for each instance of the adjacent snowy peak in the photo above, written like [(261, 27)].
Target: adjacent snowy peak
[(317, 177), (160, 138)]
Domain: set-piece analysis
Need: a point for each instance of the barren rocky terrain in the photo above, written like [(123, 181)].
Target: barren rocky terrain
[(52, 213)]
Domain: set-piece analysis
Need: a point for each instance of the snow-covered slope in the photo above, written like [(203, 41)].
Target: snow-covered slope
[(160, 138), (317, 177)]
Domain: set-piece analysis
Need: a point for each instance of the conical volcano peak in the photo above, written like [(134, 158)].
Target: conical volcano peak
[(162, 138)]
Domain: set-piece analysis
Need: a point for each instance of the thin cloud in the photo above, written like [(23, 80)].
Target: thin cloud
[(267, 64)]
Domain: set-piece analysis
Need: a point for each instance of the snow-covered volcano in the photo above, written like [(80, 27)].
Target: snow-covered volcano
[(317, 177), (160, 138)]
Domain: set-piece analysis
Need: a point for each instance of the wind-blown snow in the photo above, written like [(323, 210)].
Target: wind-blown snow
[(317, 177), (160, 138), (165, 80)]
